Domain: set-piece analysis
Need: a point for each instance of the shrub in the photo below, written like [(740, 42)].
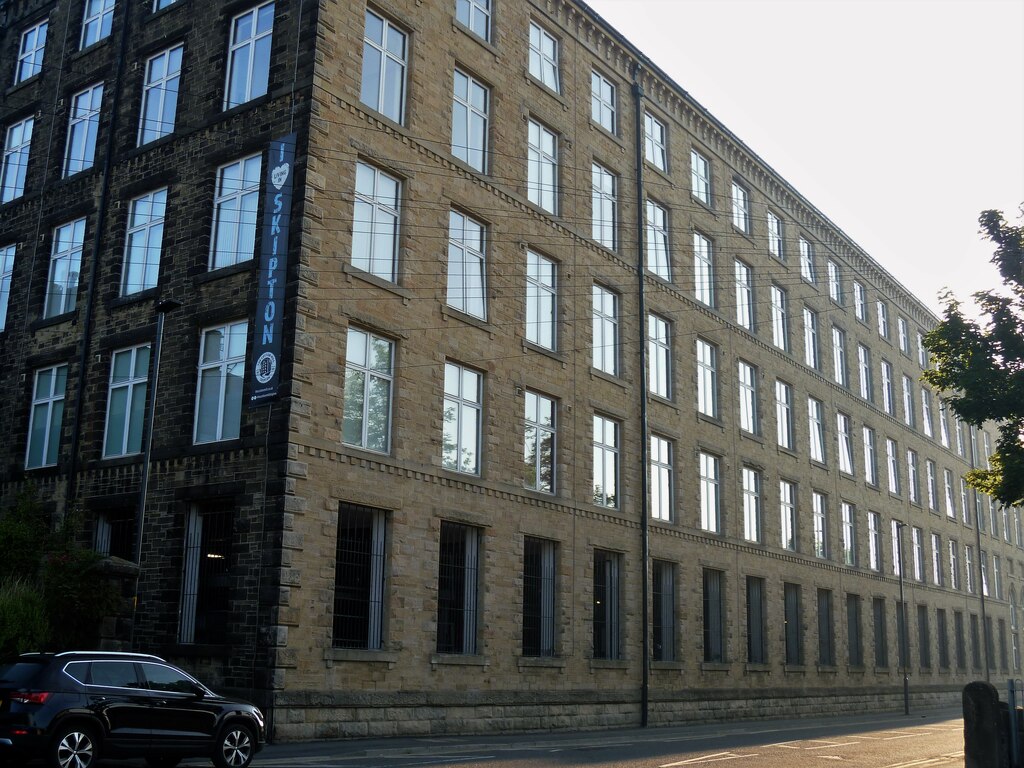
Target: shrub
[(23, 622)]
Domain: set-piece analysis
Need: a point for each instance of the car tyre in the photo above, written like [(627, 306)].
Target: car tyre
[(73, 746), (162, 761), (236, 746)]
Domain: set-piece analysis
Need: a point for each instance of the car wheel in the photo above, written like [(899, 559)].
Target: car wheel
[(73, 746), (236, 747), (162, 761)]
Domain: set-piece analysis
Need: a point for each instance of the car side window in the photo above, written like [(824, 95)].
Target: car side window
[(162, 678), (78, 670), (113, 674)]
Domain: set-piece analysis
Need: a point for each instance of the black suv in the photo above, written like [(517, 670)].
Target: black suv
[(67, 708)]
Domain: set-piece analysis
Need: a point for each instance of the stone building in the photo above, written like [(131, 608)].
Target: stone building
[(500, 385)]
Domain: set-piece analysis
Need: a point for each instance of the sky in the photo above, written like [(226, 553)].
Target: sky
[(900, 120)]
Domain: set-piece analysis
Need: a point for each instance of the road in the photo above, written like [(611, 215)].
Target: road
[(929, 740)]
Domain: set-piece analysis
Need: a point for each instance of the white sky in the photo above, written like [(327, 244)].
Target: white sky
[(900, 120)]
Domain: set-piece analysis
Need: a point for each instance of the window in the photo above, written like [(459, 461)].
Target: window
[(931, 480), (15, 160), (924, 642), (541, 166), (826, 629), (663, 593), (126, 401), (99, 14), (655, 142), (917, 544), (234, 212), (913, 483), (744, 295), (658, 260), (475, 15), (467, 265), (794, 631), (835, 286), (819, 518), (703, 270), (860, 302), (854, 633), (937, 572), (659, 356), (947, 481), (606, 330), (710, 504), (375, 220), (807, 270), (6, 276), (751, 480), (908, 401), (714, 615), (602, 101), (46, 416), (943, 425), (470, 110), (544, 57), (874, 541), (30, 52), (385, 58), (607, 573), (539, 443), (784, 414), (897, 547), (604, 206), (870, 457), (880, 632), (83, 125), (997, 577), (606, 462), (359, 577), (926, 412), (867, 391), (942, 636), (780, 318), (369, 376), (958, 428), (922, 351), (811, 338), (206, 591), (848, 534), (539, 596), (844, 436), (463, 411), (740, 207), (114, 533), (748, 398), (160, 95), (888, 395), (965, 509), (65, 264), (903, 335), (700, 177), (787, 513), (975, 642), (457, 585), (839, 374), (707, 379), (144, 242), (816, 428), (883, 319), (540, 300), (757, 622), (661, 478), (958, 637), (776, 245), (892, 464), (161, 4), (219, 391), (903, 644)]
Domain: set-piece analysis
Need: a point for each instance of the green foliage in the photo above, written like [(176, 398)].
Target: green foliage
[(979, 365), (23, 623), (23, 533)]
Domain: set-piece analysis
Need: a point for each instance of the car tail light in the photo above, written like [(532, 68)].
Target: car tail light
[(30, 697)]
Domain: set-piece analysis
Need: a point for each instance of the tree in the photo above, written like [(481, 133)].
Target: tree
[(979, 364)]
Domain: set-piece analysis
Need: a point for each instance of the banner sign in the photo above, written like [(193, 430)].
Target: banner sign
[(272, 273)]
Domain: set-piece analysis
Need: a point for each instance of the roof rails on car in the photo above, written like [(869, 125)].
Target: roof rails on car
[(110, 653)]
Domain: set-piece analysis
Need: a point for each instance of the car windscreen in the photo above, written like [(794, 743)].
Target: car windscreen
[(19, 673)]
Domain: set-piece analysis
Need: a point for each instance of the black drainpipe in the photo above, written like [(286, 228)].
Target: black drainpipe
[(645, 540), (97, 238)]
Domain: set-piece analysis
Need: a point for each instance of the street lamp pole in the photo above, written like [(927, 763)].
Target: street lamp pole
[(904, 648), (162, 308)]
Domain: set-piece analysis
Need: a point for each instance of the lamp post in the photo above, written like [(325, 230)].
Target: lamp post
[(162, 308), (904, 649)]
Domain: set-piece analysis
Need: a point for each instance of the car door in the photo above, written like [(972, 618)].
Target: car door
[(119, 699), (181, 716)]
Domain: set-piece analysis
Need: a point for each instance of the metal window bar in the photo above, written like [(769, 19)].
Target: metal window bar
[(663, 592), (826, 629), (359, 577), (794, 632), (538, 597), (853, 630), (756, 648), (606, 605), (924, 641), (205, 594), (881, 633), (457, 589), (714, 647)]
